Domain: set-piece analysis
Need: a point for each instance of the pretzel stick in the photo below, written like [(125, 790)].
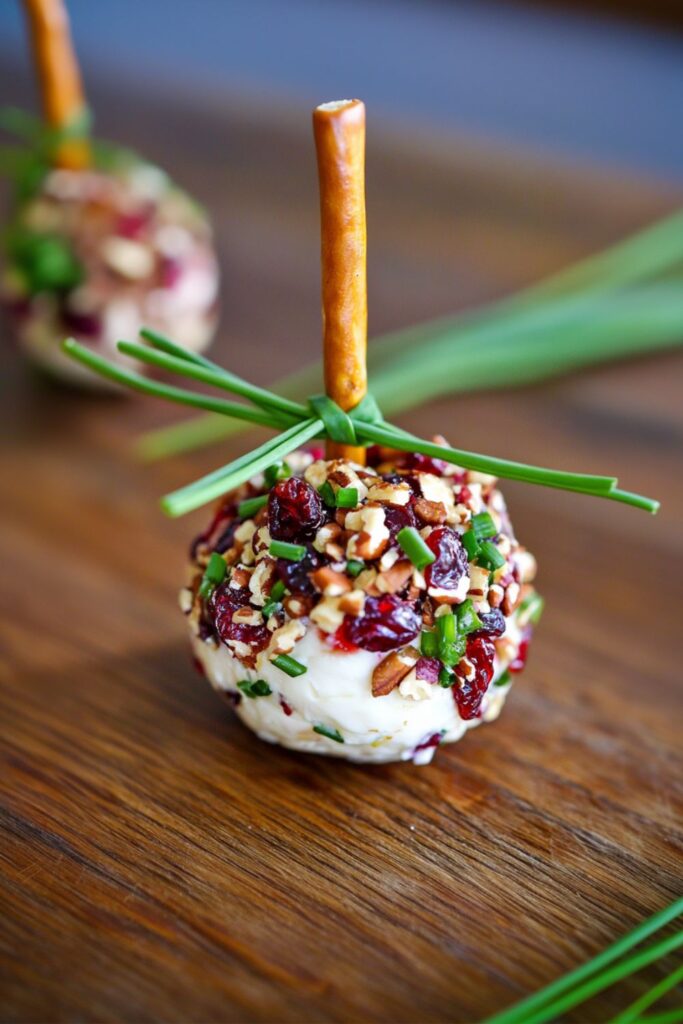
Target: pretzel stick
[(339, 130), (60, 78)]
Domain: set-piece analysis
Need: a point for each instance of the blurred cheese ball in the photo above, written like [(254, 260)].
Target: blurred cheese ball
[(98, 254), (306, 611)]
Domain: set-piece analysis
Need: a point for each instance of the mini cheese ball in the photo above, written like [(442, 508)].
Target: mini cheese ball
[(307, 612), (97, 254)]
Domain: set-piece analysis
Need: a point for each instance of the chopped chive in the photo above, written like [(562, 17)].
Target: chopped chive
[(213, 575), (451, 645), (489, 557), (250, 506), (290, 666), (254, 688), (278, 591), (283, 549), (446, 678), (326, 492), (447, 628), (531, 609), (415, 547), (429, 644), (504, 679), (269, 608), (347, 497), (470, 544), (483, 526), (468, 620), (332, 734), (278, 471), (354, 567)]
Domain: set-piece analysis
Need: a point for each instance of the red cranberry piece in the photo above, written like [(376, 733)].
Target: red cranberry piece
[(492, 623), (468, 694), (519, 660), (428, 669), (425, 464), (338, 641), (221, 513), (226, 600), (171, 271), (85, 325), (451, 559), (398, 516), (387, 622), (295, 510), (295, 574), (287, 708), (131, 225), (431, 741)]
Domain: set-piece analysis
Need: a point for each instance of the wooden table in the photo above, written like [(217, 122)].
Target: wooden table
[(160, 863)]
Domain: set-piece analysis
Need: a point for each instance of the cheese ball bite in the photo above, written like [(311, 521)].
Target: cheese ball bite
[(371, 613), (96, 254)]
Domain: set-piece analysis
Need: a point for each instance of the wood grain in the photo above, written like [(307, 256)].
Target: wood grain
[(158, 862)]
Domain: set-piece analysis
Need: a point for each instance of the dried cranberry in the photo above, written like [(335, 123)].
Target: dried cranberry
[(85, 325), (425, 464), (171, 271), (226, 538), (492, 623), (221, 513), (468, 694), (387, 622), (451, 559), (428, 669), (519, 660), (431, 741), (132, 225), (295, 574), (223, 603), (295, 510), (396, 517), (287, 708)]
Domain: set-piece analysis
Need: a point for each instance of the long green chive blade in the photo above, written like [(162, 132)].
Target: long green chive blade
[(129, 379), (283, 549), (632, 1012), (290, 666), (606, 979), (216, 377), (414, 546), (520, 1012), (227, 478)]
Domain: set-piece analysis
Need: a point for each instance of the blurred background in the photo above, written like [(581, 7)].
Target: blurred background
[(597, 80)]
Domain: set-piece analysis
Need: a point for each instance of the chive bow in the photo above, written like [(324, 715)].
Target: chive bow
[(298, 423)]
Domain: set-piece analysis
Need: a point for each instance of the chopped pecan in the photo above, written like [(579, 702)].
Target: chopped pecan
[(395, 578), (329, 582), (352, 603), (240, 577), (431, 512), (392, 669), (297, 605), (511, 599)]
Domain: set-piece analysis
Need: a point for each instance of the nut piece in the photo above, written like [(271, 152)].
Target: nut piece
[(240, 577), (329, 582), (297, 605), (352, 603), (371, 535), (393, 494), (284, 639), (247, 616), (431, 512), (389, 673), (395, 578), (261, 581), (328, 615)]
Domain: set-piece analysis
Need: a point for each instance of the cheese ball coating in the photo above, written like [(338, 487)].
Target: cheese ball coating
[(371, 613)]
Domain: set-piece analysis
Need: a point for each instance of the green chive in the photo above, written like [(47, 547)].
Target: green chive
[(347, 497), (290, 666), (254, 688), (483, 526), (278, 591), (470, 544), (332, 734), (531, 609), (213, 575), (415, 547), (451, 645), (269, 608), (326, 492), (354, 567), (504, 679), (468, 620), (446, 678), (489, 556), (447, 628), (429, 644), (278, 471), (248, 508), (283, 549)]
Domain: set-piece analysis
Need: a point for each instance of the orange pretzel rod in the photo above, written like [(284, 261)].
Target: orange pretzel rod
[(339, 130), (60, 79)]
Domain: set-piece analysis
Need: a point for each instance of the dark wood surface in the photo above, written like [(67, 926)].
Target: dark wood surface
[(161, 864)]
